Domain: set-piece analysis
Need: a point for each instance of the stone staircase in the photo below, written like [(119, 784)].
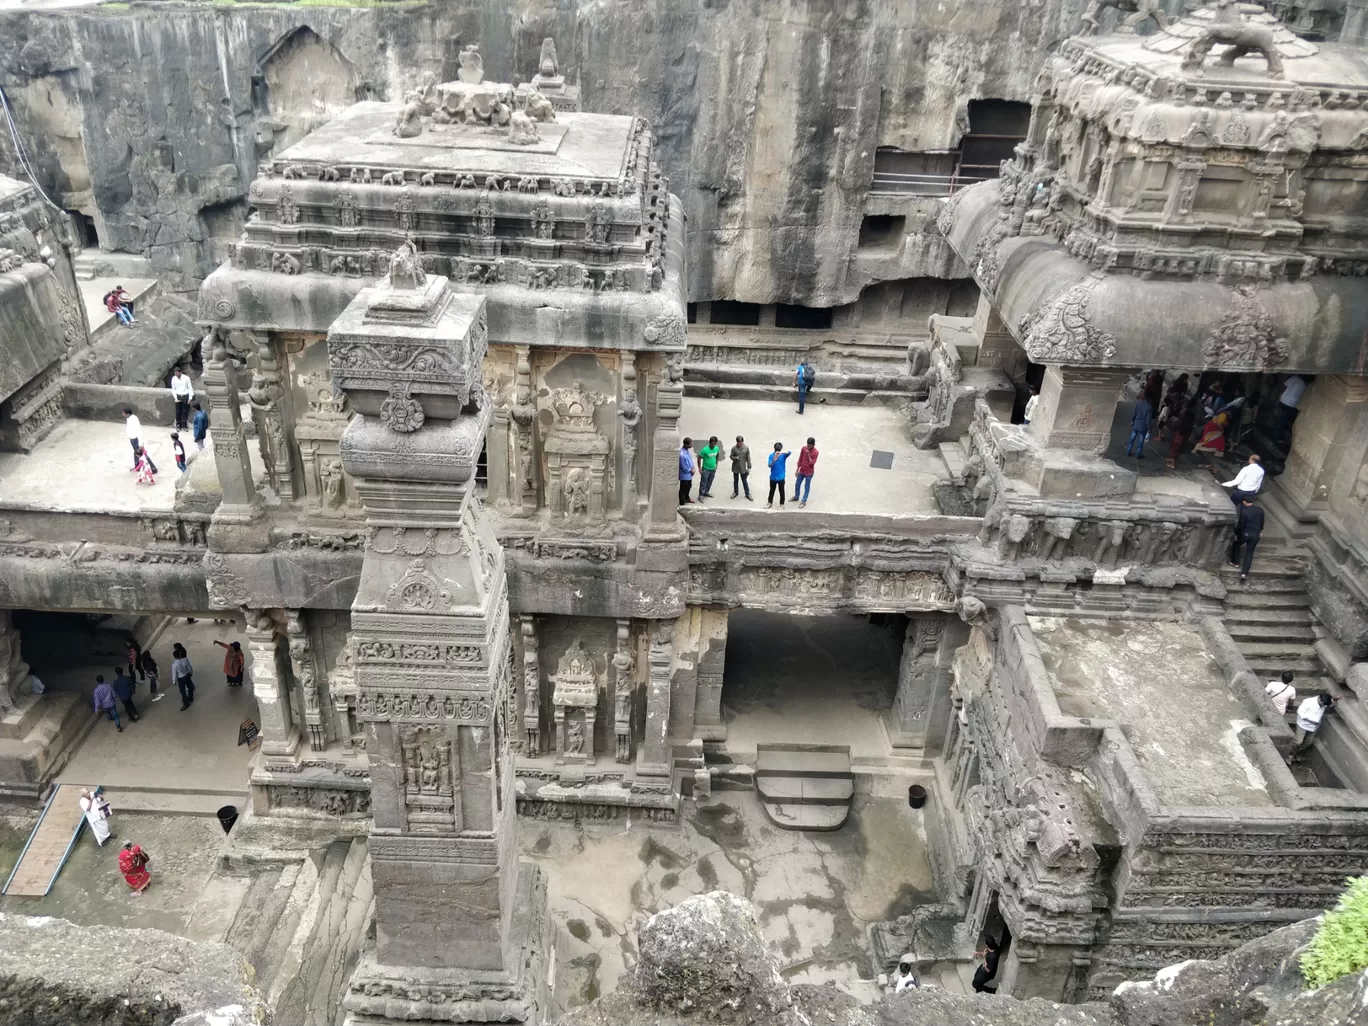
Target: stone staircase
[(97, 263), (301, 925), (1269, 617), (805, 787)]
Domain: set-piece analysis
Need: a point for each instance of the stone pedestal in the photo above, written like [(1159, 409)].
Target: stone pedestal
[(1076, 408), (270, 685), (997, 347), (1332, 412), (460, 931), (239, 523)]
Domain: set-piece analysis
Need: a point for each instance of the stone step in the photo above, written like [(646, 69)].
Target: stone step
[(806, 817), (785, 393), (782, 760), (805, 790), (1239, 599), (1256, 617), (255, 923), (1266, 648), (1269, 667), (96, 263), (735, 777)]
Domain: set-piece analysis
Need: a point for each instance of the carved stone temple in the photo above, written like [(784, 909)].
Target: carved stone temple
[(450, 323)]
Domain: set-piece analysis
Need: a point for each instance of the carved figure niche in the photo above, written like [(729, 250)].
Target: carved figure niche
[(430, 799), (576, 454), (575, 700)]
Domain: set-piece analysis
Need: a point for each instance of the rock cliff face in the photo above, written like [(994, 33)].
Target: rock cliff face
[(151, 119)]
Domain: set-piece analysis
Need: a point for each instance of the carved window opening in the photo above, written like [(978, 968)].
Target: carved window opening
[(995, 128), (727, 311), (877, 232)]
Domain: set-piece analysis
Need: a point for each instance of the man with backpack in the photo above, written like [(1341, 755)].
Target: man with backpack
[(803, 379)]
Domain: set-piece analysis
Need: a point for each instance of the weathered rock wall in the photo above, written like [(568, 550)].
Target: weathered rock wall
[(152, 119)]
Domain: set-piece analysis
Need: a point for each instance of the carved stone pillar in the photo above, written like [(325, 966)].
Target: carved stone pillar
[(523, 415), (1332, 413), (712, 658), (654, 757), (622, 684), (997, 346), (531, 685), (306, 676), (1077, 405), (501, 485), (665, 452), (270, 413), (231, 460), (270, 685), (925, 676), (13, 670), (461, 932), (631, 413)]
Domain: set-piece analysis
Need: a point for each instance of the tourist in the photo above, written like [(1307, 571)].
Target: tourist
[(1309, 716), (232, 662), (149, 666), (1140, 425), (178, 449), (1212, 440), (97, 814), (1153, 388), (1249, 524), (105, 701), (686, 471), (1247, 482), (112, 304), (134, 657), (184, 393), (707, 457), (1213, 400), (778, 468), (1183, 425), (125, 301), (199, 425), (133, 429), (1031, 405), (1174, 401), (905, 980), (133, 865), (803, 378), (1288, 403), (123, 687), (807, 463), (144, 468), (984, 973), (183, 674), (740, 463), (1281, 692)]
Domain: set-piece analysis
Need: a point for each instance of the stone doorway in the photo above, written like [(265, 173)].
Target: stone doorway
[(810, 680)]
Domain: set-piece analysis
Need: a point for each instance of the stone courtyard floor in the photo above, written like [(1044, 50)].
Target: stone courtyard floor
[(847, 438), (817, 892)]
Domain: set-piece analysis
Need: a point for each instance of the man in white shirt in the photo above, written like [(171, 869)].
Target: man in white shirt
[(183, 392), (1288, 403), (133, 428), (1309, 716), (1247, 482), (1031, 405), (1281, 692)]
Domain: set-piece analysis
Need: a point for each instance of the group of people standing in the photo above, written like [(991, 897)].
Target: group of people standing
[(142, 667), (701, 464), (132, 859), (183, 392)]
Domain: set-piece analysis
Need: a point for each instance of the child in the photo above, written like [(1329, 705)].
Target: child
[(179, 450), (144, 469)]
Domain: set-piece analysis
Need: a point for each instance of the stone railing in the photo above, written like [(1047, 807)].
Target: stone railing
[(107, 402)]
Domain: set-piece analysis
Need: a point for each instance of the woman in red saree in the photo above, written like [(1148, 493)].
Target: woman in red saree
[(1212, 440), (133, 864)]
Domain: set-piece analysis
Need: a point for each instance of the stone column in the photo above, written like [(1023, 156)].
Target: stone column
[(1077, 405), (654, 756), (925, 676), (665, 452), (623, 684), (270, 685), (631, 414), (306, 676), (712, 658), (231, 460), (271, 414), (501, 485), (524, 416), (531, 685), (1332, 412), (1355, 28), (997, 346), (461, 932)]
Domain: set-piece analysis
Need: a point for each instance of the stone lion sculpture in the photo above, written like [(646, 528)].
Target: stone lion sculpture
[(409, 122), (1241, 35)]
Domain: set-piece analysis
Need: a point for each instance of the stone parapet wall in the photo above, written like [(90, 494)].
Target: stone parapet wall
[(84, 401)]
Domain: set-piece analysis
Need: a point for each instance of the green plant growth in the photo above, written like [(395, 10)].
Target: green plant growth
[(1340, 946)]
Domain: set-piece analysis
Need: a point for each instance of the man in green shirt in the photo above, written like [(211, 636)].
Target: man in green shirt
[(707, 457)]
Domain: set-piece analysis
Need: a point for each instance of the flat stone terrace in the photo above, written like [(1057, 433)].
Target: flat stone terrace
[(1163, 687), (848, 477)]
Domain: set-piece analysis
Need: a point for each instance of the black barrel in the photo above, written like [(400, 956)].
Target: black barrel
[(916, 797), (228, 814)]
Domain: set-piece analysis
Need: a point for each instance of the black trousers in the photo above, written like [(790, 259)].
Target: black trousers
[(182, 413), (780, 485), (1248, 545), (130, 708), (187, 689), (740, 481), (135, 444), (684, 488)]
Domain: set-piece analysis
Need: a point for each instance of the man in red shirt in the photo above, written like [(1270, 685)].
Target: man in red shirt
[(807, 460)]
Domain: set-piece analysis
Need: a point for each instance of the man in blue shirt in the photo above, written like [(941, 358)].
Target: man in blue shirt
[(686, 471), (803, 378), (778, 464), (123, 687), (200, 425), (1140, 425)]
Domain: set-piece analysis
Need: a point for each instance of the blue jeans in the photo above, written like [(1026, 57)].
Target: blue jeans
[(113, 714), (802, 487), (1137, 441), (802, 396), (705, 489), (123, 315)]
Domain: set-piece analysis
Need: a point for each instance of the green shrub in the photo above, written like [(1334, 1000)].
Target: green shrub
[(1340, 946)]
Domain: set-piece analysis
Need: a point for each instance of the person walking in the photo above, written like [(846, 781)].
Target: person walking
[(1249, 524), (778, 468), (123, 687), (133, 865), (149, 666), (803, 379), (1140, 425), (144, 468), (686, 471), (183, 674), (1310, 715), (233, 662), (178, 450), (134, 657), (133, 429), (97, 814), (740, 464), (1247, 482), (105, 701), (1172, 405), (985, 973), (1281, 692), (807, 463), (1032, 404), (1183, 425), (1212, 439), (707, 457), (1288, 403), (184, 393), (199, 426)]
